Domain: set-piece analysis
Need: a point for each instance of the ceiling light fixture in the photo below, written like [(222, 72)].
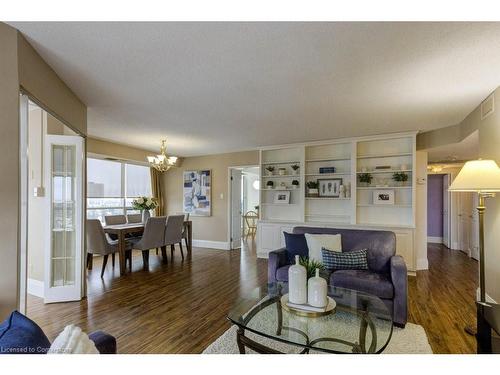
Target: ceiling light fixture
[(162, 162)]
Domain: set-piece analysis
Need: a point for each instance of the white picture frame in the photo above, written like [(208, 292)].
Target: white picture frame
[(383, 197), (282, 197), (329, 187), (197, 192)]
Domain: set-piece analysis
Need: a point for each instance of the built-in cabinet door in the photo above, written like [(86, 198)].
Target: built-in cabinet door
[(404, 247), (64, 222)]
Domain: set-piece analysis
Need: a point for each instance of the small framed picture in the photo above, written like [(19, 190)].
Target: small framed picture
[(282, 197), (329, 187), (383, 197)]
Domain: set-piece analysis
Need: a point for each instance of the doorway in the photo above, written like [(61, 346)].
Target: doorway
[(244, 196), (52, 208)]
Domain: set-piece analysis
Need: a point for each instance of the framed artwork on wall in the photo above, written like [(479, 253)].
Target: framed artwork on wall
[(383, 197), (197, 192), (329, 187)]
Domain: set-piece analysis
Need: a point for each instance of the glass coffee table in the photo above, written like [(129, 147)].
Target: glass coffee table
[(361, 323)]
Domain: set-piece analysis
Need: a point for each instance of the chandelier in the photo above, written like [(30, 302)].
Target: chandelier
[(162, 162)]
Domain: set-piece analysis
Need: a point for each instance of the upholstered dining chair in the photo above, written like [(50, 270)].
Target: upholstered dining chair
[(251, 218), (99, 243), (134, 218), (114, 220), (173, 235), (153, 237), (184, 230)]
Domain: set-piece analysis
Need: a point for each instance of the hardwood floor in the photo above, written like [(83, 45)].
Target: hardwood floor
[(181, 307)]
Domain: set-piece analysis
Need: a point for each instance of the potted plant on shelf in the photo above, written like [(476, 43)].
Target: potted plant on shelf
[(400, 178), (295, 184), (312, 188), (365, 179), (270, 170), (145, 205), (295, 168), (270, 184)]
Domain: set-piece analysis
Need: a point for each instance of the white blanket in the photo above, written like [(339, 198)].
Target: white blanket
[(73, 341)]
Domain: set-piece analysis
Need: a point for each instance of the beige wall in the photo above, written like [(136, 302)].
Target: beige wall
[(215, 227), (42, 83), (21, 65), (115, 150), (9, 165), (489, 148)]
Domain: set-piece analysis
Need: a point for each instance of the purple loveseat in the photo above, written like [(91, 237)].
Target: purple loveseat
[(385, 278)]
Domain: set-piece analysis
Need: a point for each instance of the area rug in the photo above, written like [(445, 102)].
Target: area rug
[(410, 340)]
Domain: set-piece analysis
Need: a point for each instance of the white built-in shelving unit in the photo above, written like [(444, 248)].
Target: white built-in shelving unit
[(350, 158)]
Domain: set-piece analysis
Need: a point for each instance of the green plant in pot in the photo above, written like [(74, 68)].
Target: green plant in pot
[(295, 168), (295, 184), (310, 265), (365, 179), (400, 178), (270, 170), (270, 185), (312, 188)]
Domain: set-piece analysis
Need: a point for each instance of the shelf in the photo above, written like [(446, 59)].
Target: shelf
[(282, 176), (326, 215), (384, 155), (328, 199), (280, 204), (382, 187), (280, 189), (327, 159), (280, 162), (385, 205), (386, 171), (327, 174)]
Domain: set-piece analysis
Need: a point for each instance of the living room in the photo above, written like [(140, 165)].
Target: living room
[(250, 187)]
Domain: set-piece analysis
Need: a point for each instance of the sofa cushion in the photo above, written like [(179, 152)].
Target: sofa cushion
[(316, 242), (364, 281), (282, 273), (295, 244), (350, 260), (21, 335)]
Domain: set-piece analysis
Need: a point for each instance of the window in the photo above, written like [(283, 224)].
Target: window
[(113, 185)]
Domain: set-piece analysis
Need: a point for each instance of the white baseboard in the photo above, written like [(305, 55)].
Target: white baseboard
[(434, 239), (488, 298), (36, 288), (422, 264), (221, 245)]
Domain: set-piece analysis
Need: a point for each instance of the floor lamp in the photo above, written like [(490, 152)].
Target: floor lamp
[(482, 177)]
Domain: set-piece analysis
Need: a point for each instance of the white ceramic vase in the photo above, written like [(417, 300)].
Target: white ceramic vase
[(317, 291), (297, 283), (145, 216)]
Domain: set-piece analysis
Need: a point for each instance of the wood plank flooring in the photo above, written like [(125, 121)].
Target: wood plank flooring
[(181, 307)]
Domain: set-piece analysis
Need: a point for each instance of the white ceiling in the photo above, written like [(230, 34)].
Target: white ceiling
[(219, 87)]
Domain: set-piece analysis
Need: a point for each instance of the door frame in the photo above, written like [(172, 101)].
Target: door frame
[(22, 249), (229, 199)]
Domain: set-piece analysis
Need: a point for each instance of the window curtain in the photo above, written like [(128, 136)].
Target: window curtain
[(156, 190)]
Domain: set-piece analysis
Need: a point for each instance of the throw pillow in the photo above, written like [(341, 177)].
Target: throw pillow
[(315, 242), (295, 245), (73, 341), (349, 260), (21, 335)]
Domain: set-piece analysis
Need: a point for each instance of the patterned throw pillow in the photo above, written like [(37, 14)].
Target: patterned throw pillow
[(349, 260)]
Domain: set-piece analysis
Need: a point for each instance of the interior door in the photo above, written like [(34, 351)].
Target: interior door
[(446, 204), (236, 214), (64, 221), (474, 251), (465, 222)]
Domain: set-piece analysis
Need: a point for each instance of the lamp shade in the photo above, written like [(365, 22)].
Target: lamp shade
[(477, 176)]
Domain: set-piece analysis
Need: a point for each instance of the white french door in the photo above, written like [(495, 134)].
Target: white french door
[(64, 220), (236, 218)]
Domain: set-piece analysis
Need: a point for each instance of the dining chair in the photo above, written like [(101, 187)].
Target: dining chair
[(184, 229), (251, 218), (173, 235), (99, 243), (114, 220), (153, 237), (134, 218)]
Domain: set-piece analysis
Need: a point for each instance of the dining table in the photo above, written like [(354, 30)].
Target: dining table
[(122, 230)]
